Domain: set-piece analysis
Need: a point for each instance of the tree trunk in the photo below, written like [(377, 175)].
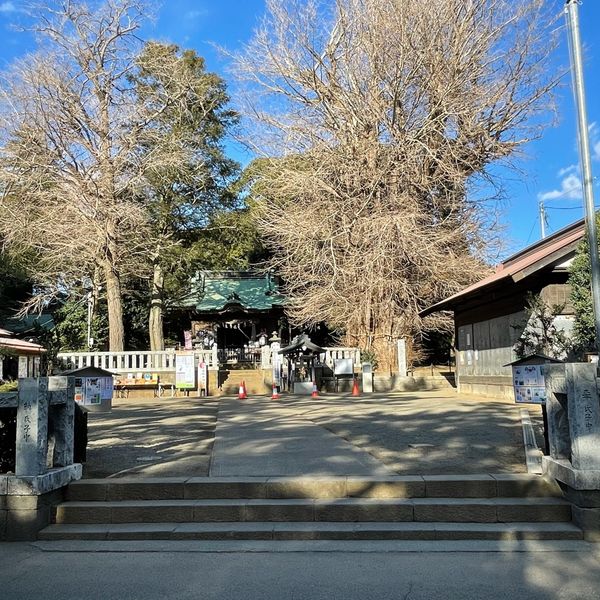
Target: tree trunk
[(155, 321), (116, 332)]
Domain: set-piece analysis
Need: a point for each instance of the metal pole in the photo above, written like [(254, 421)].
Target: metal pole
[(542, 218), (571, 11), (89, 321)]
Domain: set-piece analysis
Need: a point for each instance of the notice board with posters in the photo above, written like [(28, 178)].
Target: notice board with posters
[(185, 371), (529, 384)]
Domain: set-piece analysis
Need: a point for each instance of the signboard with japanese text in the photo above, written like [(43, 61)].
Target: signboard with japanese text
[(185, 371)]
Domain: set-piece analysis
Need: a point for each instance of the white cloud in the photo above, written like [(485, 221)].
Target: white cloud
[(570, 189), (7, 7), (195, 14), (594, 132), (567, 170)]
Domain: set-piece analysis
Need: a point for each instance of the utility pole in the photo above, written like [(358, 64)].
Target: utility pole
[(572, 16), (542, 218)]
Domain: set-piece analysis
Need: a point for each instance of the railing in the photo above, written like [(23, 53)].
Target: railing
[(129, 362), (239, 355), (135, 362), (332, 354)]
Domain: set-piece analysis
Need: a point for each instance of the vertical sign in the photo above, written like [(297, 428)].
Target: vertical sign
[(187, 338), (276, 359), (185, 373), (203, 377)]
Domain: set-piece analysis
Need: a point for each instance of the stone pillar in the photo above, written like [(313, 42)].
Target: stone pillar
[(23, 370), (402, 366), (559, 436), (32, 427), (583, 415), (63, 419), (574, 429)]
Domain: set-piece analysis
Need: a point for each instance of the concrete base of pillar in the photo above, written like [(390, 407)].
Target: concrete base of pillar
[(26, 503), (562, 470), (582, 489)]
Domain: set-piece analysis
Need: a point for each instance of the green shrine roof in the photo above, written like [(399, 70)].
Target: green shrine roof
[(218, 292), (30, 323)]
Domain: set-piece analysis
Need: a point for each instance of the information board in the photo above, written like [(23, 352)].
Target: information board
[(185, 371), (529, 384), (343, 366)]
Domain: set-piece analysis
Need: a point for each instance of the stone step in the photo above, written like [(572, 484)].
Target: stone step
[(313, 531), (459, 510), (197, 488)]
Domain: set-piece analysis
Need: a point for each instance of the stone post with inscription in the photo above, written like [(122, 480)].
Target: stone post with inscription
[(32, 427), (63, 420), (573, 406), (45, 411)]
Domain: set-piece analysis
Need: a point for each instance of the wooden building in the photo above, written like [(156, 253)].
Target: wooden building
[(490, 314), (236, 311)]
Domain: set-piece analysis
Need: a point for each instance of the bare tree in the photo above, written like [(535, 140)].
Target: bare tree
[(69, 123), (378, 119)]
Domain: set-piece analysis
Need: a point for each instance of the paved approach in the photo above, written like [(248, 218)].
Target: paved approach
[(302, 571), (402, 433), (260, 437)]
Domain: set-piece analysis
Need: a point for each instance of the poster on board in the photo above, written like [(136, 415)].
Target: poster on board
[(185, 371), (529, 385), (93, 390)]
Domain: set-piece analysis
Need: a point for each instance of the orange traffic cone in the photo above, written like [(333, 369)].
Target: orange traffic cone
[(245, 389), (242, 392), (275, 395), (315, 391), (355, 390)]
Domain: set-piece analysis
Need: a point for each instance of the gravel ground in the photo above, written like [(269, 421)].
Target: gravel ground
[(431, 432), (151, 438), (411, 433)]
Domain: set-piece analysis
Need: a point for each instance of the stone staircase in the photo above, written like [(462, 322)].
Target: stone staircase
[(475, 507), (254, 379)]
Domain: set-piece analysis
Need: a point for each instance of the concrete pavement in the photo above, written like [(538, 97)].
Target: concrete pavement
[(403, 433), (261, 437), (306, 571)]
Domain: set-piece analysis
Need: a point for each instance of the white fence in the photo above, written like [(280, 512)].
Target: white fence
[(147, 362), (126, 362), (331, 355)]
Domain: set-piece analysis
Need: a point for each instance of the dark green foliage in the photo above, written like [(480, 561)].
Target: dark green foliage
[(540, 334), (8, 432), (15, 285), (581, 298), (369, 356)]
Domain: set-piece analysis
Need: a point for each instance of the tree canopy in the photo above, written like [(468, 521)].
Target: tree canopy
[(376, 120)]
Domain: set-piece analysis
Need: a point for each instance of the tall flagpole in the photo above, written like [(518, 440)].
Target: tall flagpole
[(571, 11)]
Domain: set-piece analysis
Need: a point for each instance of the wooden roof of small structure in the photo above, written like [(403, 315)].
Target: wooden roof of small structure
[(301, 343)]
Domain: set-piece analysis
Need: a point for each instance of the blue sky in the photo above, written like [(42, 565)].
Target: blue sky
[(548, 172)]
